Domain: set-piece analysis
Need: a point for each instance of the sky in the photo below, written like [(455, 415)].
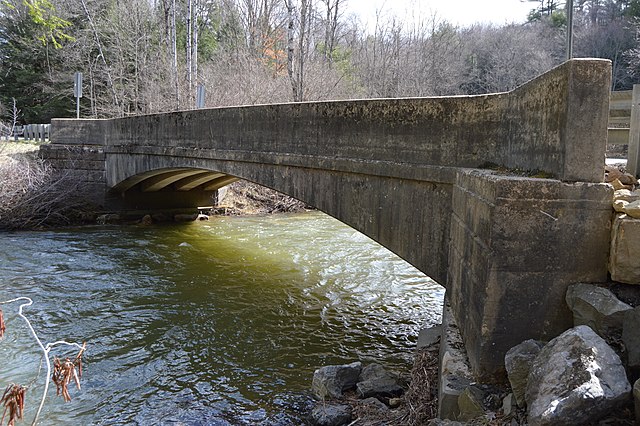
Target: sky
[(458, 12)]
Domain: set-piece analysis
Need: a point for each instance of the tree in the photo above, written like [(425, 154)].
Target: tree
[(30, 37)]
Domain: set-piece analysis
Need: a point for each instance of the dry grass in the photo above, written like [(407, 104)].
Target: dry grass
[(422, 397), (418, 405), (8, 148)]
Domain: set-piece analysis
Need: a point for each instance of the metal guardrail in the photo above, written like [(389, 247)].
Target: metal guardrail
[(37, 132)]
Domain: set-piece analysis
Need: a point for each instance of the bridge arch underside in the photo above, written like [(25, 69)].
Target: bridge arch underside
[(409, 215)]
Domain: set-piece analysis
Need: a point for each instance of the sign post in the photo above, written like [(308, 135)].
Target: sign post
[(77, 91), (569, 29)]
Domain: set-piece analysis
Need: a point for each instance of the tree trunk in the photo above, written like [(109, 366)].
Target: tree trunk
[(291, 47), (194, 44), (189, 46), (174, 51), (101, 55)]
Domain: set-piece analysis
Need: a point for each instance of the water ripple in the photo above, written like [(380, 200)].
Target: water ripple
[(217, 323)]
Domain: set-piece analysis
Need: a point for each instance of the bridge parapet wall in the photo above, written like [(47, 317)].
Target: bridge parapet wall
[(555, 123)]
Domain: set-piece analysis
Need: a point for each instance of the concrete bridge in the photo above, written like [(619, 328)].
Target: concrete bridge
[(496, 197)]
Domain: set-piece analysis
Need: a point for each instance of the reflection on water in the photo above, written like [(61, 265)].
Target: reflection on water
[(211, 323)]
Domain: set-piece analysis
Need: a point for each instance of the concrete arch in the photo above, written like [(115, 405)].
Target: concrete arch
[(391, 211)]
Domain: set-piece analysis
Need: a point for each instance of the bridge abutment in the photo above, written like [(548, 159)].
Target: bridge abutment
[(517, 243)]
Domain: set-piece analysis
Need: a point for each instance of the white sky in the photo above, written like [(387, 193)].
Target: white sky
[(458, 12)]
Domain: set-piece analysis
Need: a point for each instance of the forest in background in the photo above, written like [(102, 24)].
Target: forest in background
[(146, 56)]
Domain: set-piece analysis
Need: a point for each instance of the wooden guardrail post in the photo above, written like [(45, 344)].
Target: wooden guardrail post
[(633, 157)]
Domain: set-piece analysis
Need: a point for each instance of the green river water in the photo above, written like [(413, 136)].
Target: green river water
[(209, 323)]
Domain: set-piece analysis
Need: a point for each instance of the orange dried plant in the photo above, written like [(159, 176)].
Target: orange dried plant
[(13, 401), (64, 371), (3, 327)]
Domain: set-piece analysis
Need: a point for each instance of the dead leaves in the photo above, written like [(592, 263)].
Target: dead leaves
[(3, 327), (65, 371), (13, 401)]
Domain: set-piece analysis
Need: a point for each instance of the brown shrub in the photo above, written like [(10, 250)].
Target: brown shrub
[(32, 196)]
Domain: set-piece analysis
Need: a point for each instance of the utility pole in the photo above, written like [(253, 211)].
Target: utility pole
[(569, 29)]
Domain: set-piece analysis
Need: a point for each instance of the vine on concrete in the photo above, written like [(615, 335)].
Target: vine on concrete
[(63, 372)]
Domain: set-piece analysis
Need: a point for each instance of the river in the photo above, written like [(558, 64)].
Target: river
[(210, 323)]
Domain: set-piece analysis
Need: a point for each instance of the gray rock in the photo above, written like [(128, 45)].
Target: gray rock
[(596, 307), (575, 379), (331, 415), (185, 217), (508, 404), (375, 381), (375, 402), (518, 362), (631, 336), (429, 336), (332, 380), (470, 403)]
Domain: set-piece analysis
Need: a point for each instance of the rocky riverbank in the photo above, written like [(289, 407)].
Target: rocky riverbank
[(582, 377), (370, 395)]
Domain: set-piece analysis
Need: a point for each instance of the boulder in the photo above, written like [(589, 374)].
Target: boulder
[(626, 195), (624, 258), (161, 217), (596, 307), (470, 403), (628, 179), (575, 379), (146, 220), (331, 415), (508, 404), (429, 336), (619, 185), (612, 173), (332, 380), (633, 209), (185, 217), (631, 336), (518, 362), (375, 381), (620, 205)]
